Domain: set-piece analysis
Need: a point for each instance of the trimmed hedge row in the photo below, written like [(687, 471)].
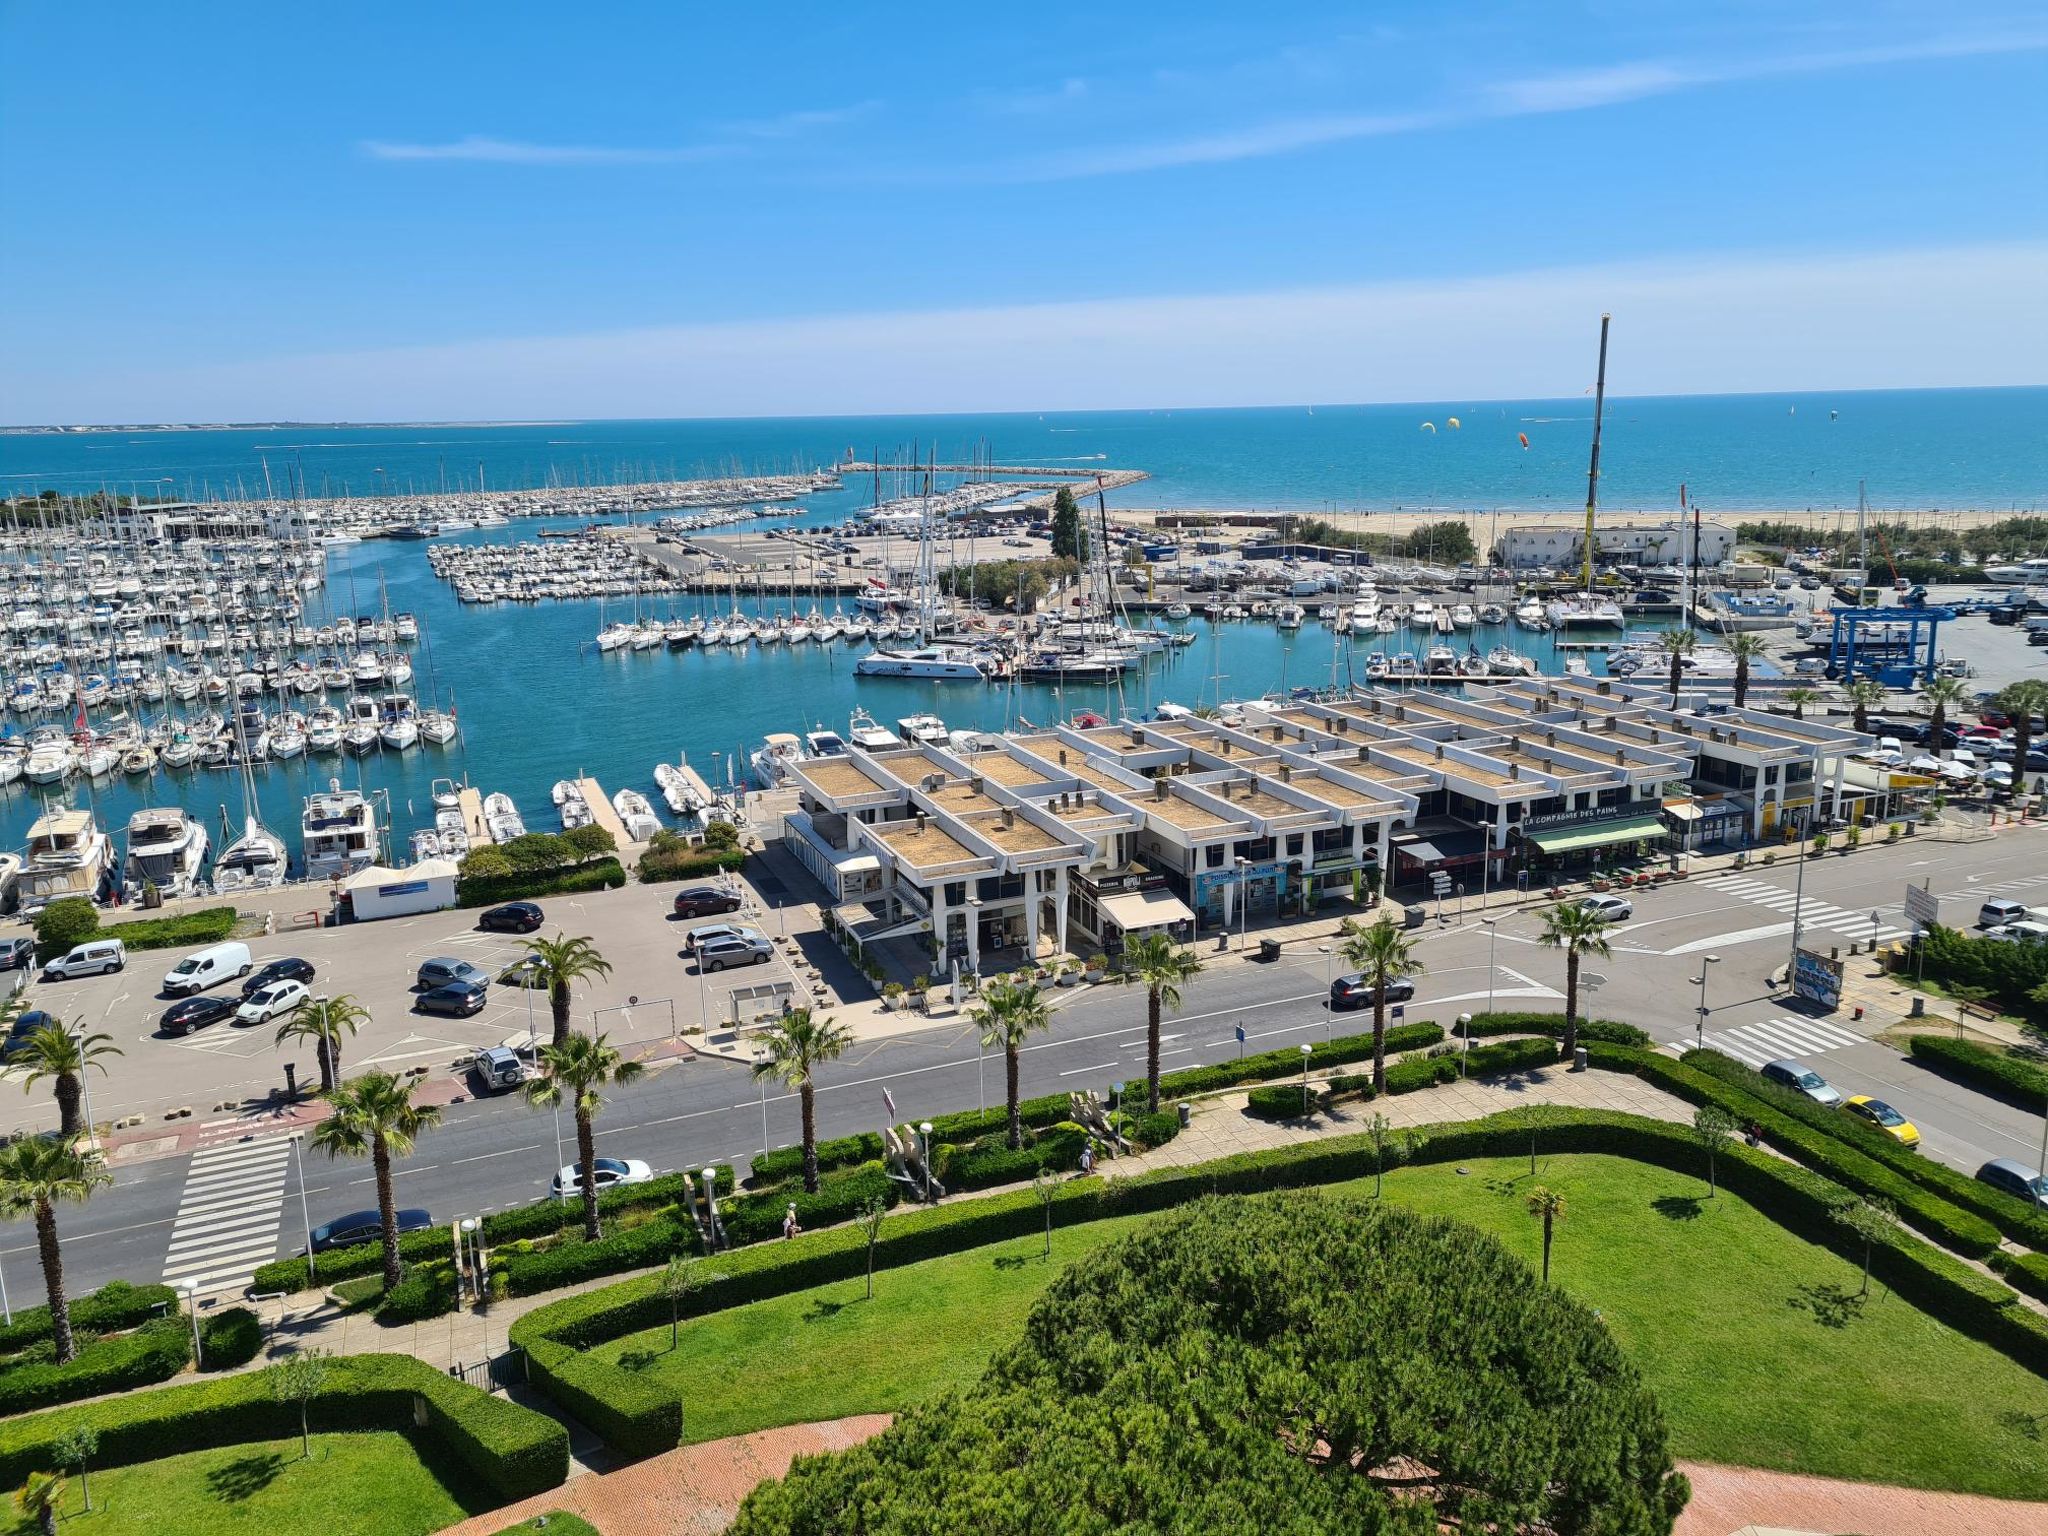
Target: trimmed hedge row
[(2014, 1217), (1267, 1065), (114, 1306), (2019, 1083), (1283, 1101), (2023, 1272), (752, 1217), (638, 1419), (689, 864), (228, 1339), (1150, 1131), (154, 1352), (1507, 1056), (987, 1163), (1955, 1229), (209, 925), (1530, 1022), (606, 874), (514, 1451)]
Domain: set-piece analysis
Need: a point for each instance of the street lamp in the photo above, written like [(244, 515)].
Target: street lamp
[(298, 1140), (1329, 952), (85, 1081), (924, 1156), (1306, 1052), (1465, 1035), (191, 1289), (1699, 1030), (1492, 938), (1244, 914)]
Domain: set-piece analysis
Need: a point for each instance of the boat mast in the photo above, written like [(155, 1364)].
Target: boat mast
[(1593, 469)]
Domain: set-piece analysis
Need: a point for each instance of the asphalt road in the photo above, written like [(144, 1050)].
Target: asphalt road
[(494, 1153)]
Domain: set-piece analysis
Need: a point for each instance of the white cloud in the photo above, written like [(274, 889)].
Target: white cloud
[(1914, 318), (512, 152), (789, 125)]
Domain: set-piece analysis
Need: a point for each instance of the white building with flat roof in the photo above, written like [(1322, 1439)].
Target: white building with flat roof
[(1559, 545)]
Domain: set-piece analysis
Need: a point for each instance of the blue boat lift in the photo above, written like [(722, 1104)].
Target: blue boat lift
[(1899, 647)]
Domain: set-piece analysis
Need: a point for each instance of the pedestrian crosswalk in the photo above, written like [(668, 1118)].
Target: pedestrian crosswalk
[(1846, 921), (2015, 886), (1774, 1039), (228, 1215)]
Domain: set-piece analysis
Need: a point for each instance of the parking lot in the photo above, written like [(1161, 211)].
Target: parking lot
[(654, 991)]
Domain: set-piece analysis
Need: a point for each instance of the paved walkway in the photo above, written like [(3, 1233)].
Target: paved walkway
[(1731, 1499)]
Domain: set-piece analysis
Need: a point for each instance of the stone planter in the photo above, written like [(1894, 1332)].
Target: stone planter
[(1068, 978), (1093, 975)]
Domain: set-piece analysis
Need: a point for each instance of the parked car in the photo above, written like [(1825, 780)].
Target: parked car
[(513, 917), (726, 953), (458, 999), (713, 933), (191, 1013), (2025, 931), (205, 967), (1354, 991), (364, 1227), (95, 957), (1998, 912), (2017, 1179), (498, 1069), (280, 997), (1616, 909), (290, 969), (24, 1025), (17, 954), (1884, 1117), (441, 970), (1790, 1074), (705, 901), (609, 1171)]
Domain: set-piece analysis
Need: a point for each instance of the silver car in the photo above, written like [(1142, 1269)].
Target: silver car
[(726, 953)]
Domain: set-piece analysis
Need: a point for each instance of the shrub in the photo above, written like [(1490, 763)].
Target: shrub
[(339, 1264), (64, 924), (514, 1451), (1281, 1101), (655, 868), (751, 1217), (1341, 1051), (1984, 1068), (115, 1306), (154, 1352), (589, 841), (2023, 1272), (228, 1339), (209, 925), (788, 1162), (988, 1162), (1151, 1131), (424, 1291), (1534, 1023), (2009, 972), (605, 874)]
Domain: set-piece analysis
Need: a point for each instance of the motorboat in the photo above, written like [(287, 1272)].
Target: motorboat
[(824, 743), (49, 762), (398, 730), (637, 815), (928, 663), (570, 805), (922, 731), (1441, 661), (1462, 616), (677, 788), (324, 729), (502, 817), (67, 855), (1529, 615), (338, 830), (1492, 613), (166, 849), (1288, 615), (773, 759), (869, 734), (1422, 615)]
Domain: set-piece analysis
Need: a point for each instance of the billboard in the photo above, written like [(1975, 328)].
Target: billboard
[(1816, 979)]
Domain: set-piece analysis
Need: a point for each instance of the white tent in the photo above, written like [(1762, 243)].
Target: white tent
[(428, 886)]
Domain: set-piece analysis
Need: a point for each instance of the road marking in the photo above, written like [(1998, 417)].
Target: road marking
[(1100, 1066), (228, 1214), (1772, 1039)]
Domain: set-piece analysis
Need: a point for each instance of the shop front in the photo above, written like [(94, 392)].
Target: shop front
[(1593, 838)]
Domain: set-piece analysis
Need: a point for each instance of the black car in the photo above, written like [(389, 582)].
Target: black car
[(17, 954), (513, 917), (196, 1013), (363, 1227), (1951, 738), (459, 999), (704, 900), (293, 969), (25, 1024), (1354, 991)]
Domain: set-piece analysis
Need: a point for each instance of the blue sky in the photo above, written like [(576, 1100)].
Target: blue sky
[(469, 211)]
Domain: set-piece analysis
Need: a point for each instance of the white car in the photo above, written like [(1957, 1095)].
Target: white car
[(1616, 909), (2026, 931), (268, 1002), (610, 1171)]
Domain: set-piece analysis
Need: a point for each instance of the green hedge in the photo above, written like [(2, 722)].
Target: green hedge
[(606, 874), (752, 1217), (1282, 1101), (115, 1306), (1150, 1131), (1324, 1054), (2023, 1272), (513, 1451), (154, 1352), (1956, 1229), (1531, 1022), (209, 925), (841, 1152), (989, 1162), (2014, 1217), (1984, 1068), (2009, 971), (230, 1338), (639, 1419), (690, 864)]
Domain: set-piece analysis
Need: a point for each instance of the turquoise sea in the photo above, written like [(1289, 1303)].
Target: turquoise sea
[(536, 703)]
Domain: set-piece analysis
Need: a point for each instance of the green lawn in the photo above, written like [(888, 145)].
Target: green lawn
[(558, 1523), (1753, 1339), (370, 1484)]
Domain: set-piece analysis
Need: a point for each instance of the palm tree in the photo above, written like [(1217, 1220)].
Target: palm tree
[(2020, 703), (1799, 698), (1940, 694), (1549, 1205), (572, 1072), (37, 1172), (323, 1021), (558, 963), (1677, 644), (1864, 695), (54, 1052), (374, 1115), (1159, 965), (1577, 929), (1010, 1013), (1745, 647), (39, 1497), (798, 1044), (1383, 954)]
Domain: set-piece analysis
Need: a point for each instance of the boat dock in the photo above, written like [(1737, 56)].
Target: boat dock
[(471, 804), (601, 812)]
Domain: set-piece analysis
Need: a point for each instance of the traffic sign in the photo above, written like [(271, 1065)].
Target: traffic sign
[(1923, 907)]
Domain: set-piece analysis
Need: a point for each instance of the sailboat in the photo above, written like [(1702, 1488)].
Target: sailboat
[(255, 861)]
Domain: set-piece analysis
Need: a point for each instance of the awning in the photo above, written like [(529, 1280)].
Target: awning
[(1571, 839), (1683, 810), (1135, 911)]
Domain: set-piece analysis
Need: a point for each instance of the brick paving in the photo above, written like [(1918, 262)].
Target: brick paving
[(1726, 1500)]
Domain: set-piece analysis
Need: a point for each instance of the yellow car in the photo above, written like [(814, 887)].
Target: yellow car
[(1884, 1117)]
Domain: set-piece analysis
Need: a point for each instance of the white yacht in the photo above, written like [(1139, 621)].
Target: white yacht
[(570, 805), (1422, 615), (678, 789), (927, 662), (398, 728), (773, 759), (323, 729), (869, 734), (1365, 614), (1585, 610), (1529, 614), (1462, 616), (503, 818), (824, 743), (1288, 615), (67, 855), (638, 816), (922, 731), (255, 861), (48, 762), (166, 849), (339, 832)]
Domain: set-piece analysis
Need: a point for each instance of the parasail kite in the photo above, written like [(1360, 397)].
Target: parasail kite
[(1524, 437), (1453, 422), (1429, 427)]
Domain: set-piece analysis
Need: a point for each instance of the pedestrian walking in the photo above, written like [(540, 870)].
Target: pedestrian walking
[(790, 1228)]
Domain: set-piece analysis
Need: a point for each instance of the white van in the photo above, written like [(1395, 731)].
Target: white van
[(204, 968), (95, 957)]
